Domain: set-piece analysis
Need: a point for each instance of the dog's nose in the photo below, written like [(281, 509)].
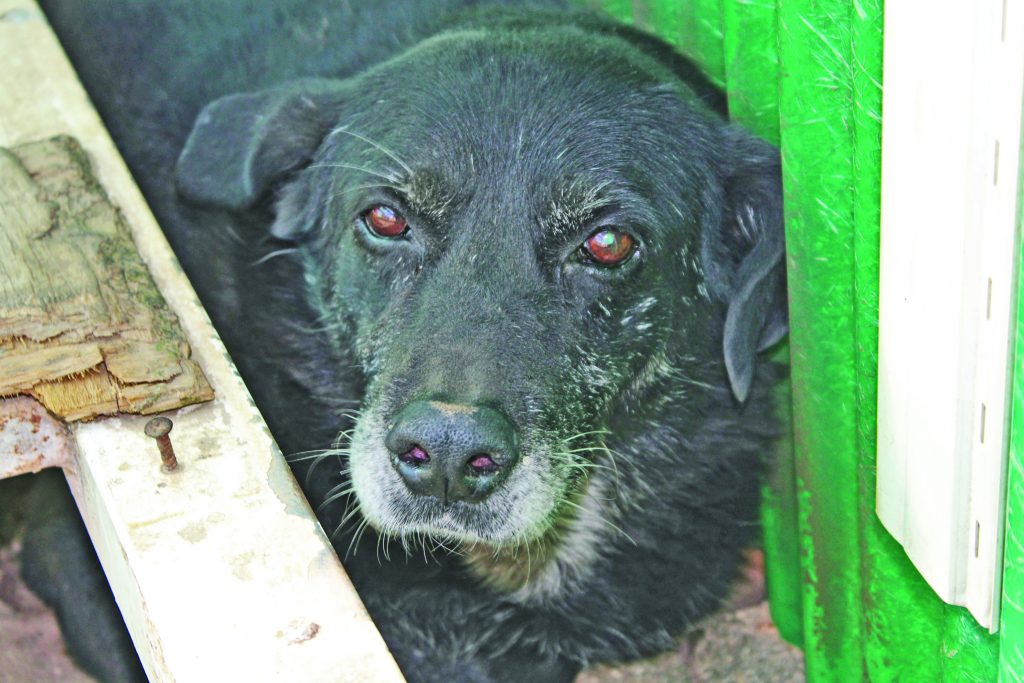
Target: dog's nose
[(451, 451)]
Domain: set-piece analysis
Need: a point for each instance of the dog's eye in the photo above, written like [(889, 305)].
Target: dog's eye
[(608, 247), (384, 221)]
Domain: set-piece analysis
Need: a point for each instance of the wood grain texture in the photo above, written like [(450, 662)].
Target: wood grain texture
[(83, 328)]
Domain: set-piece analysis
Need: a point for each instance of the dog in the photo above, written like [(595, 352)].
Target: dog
[(498, 275)]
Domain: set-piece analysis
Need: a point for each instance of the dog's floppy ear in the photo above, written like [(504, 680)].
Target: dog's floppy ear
[(242, 144), (745, 258)]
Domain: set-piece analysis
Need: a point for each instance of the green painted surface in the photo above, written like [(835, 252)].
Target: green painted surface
[(898, 637), (751, 82), (1011, 656), (751, 59), (969, 653), (816, 97), (781, 537), (700, 32), (693, 26), (781, 528), (620, 9)]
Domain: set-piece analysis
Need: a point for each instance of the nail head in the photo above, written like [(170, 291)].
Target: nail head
[(158, 426)]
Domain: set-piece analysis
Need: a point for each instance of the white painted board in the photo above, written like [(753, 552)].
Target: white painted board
[(220, 569)]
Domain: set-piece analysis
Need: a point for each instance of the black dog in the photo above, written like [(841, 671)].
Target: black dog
[(516, 258)]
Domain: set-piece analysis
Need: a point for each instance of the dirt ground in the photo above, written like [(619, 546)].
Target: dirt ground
[(738, 645)]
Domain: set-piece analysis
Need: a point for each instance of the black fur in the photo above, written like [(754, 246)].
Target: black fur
[(506, 136)]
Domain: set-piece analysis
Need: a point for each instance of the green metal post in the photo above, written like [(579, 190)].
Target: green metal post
[(815, 102), (751, 80)]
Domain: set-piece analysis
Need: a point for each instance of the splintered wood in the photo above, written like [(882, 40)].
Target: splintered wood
[(83, 328)]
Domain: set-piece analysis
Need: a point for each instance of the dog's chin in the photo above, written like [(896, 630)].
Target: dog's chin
[(457, 525), (505, 518)]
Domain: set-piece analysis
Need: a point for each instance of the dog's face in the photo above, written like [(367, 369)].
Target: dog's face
[(527, 241)]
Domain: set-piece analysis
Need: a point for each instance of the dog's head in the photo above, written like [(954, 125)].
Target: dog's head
[(531, 238)]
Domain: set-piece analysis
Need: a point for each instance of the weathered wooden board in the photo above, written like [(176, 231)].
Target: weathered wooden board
[(83, 328)]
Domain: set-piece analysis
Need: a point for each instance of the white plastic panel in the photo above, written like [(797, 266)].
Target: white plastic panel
[(953, 80)]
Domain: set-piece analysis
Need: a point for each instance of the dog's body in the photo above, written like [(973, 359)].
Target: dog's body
[(615, 482)]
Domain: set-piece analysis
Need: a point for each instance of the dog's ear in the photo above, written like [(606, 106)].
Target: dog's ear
[(242, 144), (745, 258)]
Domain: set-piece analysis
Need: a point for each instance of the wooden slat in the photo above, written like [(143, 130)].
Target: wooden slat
[(220, 568)]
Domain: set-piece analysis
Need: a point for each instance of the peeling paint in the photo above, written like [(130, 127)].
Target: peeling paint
[(30, 438), (283, 484)]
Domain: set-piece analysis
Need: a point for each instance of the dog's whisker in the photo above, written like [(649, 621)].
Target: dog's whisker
[(381, 541), (345, 519), (347, 191), (314, 465), (334, 497), (588, 449), (583, 434), (272, 255), (305, 458), (346, 483), (317, 451), (355, 167), (353, 544), (392, 155)]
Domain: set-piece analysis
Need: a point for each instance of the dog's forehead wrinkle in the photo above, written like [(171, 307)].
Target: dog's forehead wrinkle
[(560, 193), (483, 128)]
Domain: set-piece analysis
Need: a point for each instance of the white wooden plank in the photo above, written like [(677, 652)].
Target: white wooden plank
[(220, 568)]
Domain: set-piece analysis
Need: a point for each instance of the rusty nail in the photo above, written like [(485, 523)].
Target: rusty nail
[(158, 428)]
